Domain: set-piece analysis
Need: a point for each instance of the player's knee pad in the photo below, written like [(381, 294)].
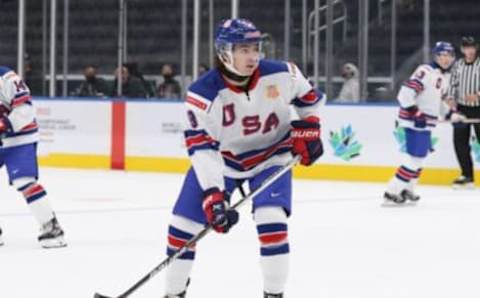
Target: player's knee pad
[(272, 230), (30, 189), (180, 231)]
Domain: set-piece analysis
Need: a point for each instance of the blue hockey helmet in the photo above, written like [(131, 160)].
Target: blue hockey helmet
[(443, 48), (234, 31)]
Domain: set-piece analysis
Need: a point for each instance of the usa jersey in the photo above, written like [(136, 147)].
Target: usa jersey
[(237, 132), (426, 89), (16, 108)]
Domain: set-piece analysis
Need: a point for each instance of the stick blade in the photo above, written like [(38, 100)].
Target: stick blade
[(97, 295)]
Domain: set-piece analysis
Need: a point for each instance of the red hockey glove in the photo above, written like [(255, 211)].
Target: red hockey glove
[(4, 126), (216, 210), (306, 140)]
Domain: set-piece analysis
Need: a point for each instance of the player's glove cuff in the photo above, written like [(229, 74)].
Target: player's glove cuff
[(5, 126)]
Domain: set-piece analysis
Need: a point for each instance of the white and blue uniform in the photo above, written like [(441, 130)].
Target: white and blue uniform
[(236, 135), (425, 89), (17, 148), (18, 145), (240, 134)]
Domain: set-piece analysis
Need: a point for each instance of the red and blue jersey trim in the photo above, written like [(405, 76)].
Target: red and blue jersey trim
[(250, 159), (414, 84), (311, 98), (404, 114), (20, 99), (26, 130), (199, 140)]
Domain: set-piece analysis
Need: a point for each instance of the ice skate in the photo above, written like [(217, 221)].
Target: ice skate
[(391, 199), (181, 295), (51, 235), (409, 195), (463, 182), (267, 295)]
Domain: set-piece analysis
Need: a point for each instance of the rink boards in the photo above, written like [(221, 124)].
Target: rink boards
[(361, 141)]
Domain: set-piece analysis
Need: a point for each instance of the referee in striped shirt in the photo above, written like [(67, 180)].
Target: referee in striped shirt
[(465, 91)]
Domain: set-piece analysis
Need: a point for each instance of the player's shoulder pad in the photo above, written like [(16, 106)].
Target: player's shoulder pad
[(422, 71), (4, 70), (425, 67), (204, 90), (268, 67)]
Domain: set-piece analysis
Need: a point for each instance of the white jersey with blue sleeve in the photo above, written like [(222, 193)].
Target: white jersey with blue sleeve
[(237, 132), (17, 110), (426, 89)]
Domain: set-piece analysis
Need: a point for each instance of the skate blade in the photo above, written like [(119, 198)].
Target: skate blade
[(53, 243), (391, 204), (469, 186)]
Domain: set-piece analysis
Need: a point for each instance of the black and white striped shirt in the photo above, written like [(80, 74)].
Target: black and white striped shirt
[(465, 81)]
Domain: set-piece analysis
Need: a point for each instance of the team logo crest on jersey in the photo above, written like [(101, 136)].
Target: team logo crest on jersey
[(272, 92)]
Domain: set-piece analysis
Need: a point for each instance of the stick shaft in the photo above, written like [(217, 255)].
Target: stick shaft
[(208, 228)]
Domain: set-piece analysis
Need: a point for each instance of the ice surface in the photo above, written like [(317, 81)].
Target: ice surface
[(344, 244)]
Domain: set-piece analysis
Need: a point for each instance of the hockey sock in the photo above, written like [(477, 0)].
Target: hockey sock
[(274, 248), (407, 175), (179, 232), (35, 195), (414, 181)]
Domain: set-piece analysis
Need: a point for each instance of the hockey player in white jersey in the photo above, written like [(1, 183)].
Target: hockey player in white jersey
[(422, 105), (18, 152), (240, 130)]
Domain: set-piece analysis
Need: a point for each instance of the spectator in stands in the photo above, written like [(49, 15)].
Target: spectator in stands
[(135, 72), (410, 5), (92, 86), (33, 78), (131, 86), (350, 92), (169, 88)]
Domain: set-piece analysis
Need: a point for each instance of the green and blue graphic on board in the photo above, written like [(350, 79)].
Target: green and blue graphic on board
[(476, 148), (344, 144)]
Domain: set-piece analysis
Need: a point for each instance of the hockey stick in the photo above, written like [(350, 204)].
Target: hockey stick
[(205, 231), (471, 120), (466, 121)]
